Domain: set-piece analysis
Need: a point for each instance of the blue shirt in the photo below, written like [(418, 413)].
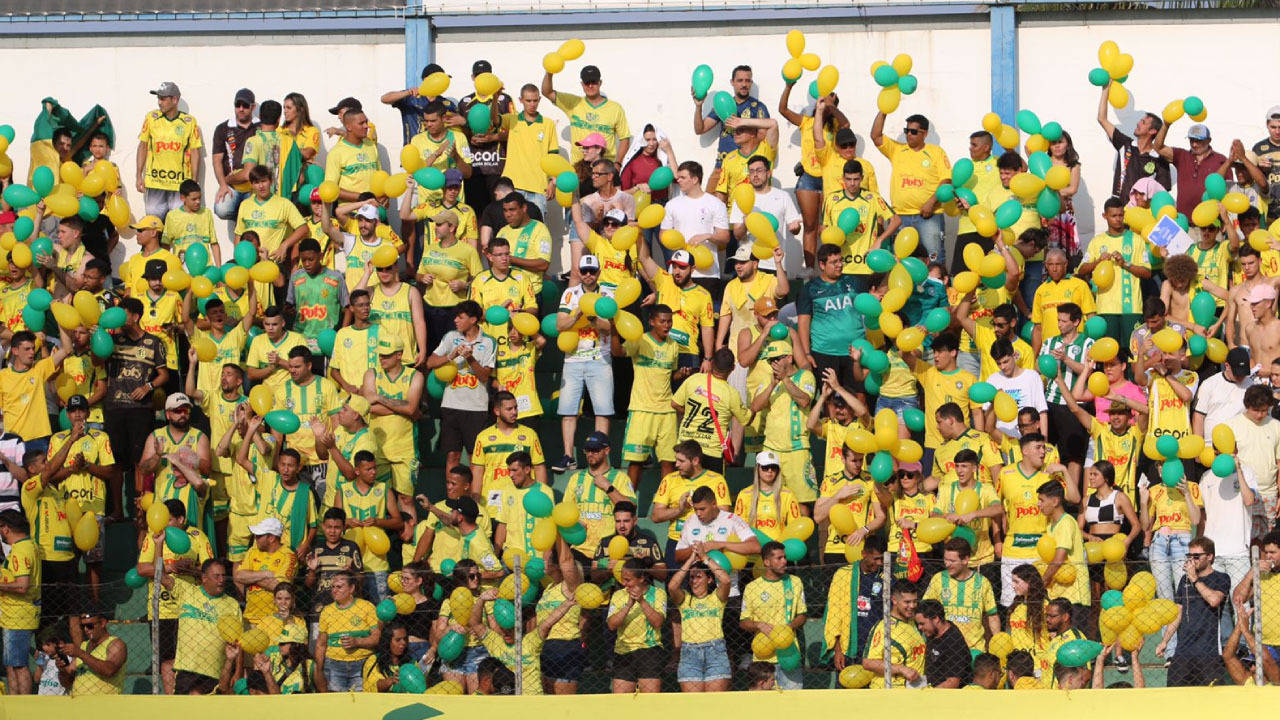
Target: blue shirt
[(411, 107), (749, 108)]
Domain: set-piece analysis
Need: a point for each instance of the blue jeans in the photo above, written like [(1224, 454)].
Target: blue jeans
[(793, 680), (17, 648), (40, 444), (468, 662), (1032, 278), (343, 675), (703, 662), (229, 205), (930, 230), (1168, 553), (375, 585), (537, 198), (597, 377)]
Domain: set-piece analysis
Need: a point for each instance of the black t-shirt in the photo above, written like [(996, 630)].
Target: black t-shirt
[(132, 365), (491, 217), (1131, 166), (96, 238), (229, 139), (1267, 150), (1198, 629), (643, 545), (948, 657), (346, 556), (418, 622), (487, 158)]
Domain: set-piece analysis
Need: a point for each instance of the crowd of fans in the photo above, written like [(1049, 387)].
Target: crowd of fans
[(1011, 432)]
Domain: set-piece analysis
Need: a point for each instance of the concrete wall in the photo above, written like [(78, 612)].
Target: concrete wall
[(646, 68), (118, 72)]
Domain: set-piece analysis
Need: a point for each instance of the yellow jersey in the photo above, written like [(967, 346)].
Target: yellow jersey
[(615, 265), (79, 375), (1167, 507), (527, 142), (515, 374), (172, 145), (490, 452), (700, 618), (132, 269), (200, 644), (1050, 294), (636, 633), (396, 435), (833, 171), (426, 145), (568, 626), (860, 504), (675, 486), (458, 261), (530, 658), (1214, 263), (368, 504), (87, 489), (1170, 414), (906, 645), (355, 352), (1066, 536), (733, 168), (272, 219), (594, 505), (182, 229), (985, 181), (199, 552), (348, 444), (514, 292), (159, 316), (89, 683), (986, 337), (394, 314), (701, 394), (230, 350), (356, 620), (22, 401), (259, 602), (262, 345), (873, 215), (605, 117), (738, 303), (1023, 522), (309, 402), (361, 252), (939, 389), (914, 507), (916, 174), (1123, 451), (944, 459), (447, 542), (948, 489), (221, 412), (691, 310), (1124, 296), (767, 512), (653, 363), (46, 512), (531, 241), (352, 166), (968, 603)]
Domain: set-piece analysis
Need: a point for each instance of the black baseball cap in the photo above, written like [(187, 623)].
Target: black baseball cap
[(596, 441), (590, 73), (1239, 361), (845, 136), (480, 66), (464, 505), (245, 95), (346, 103), (432, 69), (77, 402), (154, 269)]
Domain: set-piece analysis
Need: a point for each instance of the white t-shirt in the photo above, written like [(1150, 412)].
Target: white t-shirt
[(779, 204), (702, 216), (593, 344), (466, 392), (718, 530), (1219, 400), (1026, 389), (1227, 521)]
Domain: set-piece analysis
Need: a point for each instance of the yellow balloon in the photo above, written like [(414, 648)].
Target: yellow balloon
[(1120, 66), (901, 64), (265, 271), (410, 160), (1057, 177), (1093, 551), (671, 239), (446, 373), (544, 534), (572, 49), (567, 341), (328, 190), (792, 69), (991, 265), (934, 529), (627, 292), (20, 255), (565, 514), (1007, 137), (1026, 185), (906, 241), (828, 77), (1224, 439), (87, 305), (85, 532), (254, 640), (434, 85), (236, 278), (1116, 618), (395, 582), (782, 636), (908, 451), (553, 62), (396, 185), (1117, 96), (1104, 349), (965, 282), (973, 256), (762, 647), (911, 338), (385, 256), (376, 540), (984, 221), (832, 235), (1205, 214), (507, 588), (487, 83), (628, 325), (618, 547), (525, 323), (1006, 408), (1235, 202), (966, 502), (625, 237), (888, 99), (1114, 573), (1099, 385), (1046, 547), (261, 400), (992, 123), (860, 440), (176, 280), (589, 596), (760, 228), (895, 299), (1217, 351), (745, 197), (230, 628), (157, 517), (1104, 274), (71, 174), (795, 43), (890, 324), (206, 350), (842, 519), (1168, 340), (702, 257), (6, 162), (1172, 112), (1066, 574), (67, 317), (117, 210), (1190, 447), (1037, 143), (800, 528), (809, 61), (1107, 52), (652, 216)]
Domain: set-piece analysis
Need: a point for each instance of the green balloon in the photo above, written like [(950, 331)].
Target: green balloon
[(778, 331), (1048, 365), (34, 319), (606, 308), (1095, 327), (848, 220), (885, 76), (574, 534), (1172, 472), (1167, 445), (89, 210), (916, 268), (177, 540), (961, 172), (867, 304), (214, 273), (720, 559), (1216, 186), (112, 318), (1112, 598), (1223, 465), (497, 315), (794, 549), (982, 392), (661, 178), (946, 192), (325, 341), (877, 361), (1009, 212), (196, 259), (534, 569), (411, 678), (701, 81), (101, 343), (1027, 122), (64, 422), (1048, 203), (314, 174), (42, 246), (907, 84), (881, 467), (1197, 345), (451, 646), (504, 612), (1039, 163), (567, 181), (966, 534), (1051, 131), (40, 299), (537, 503), (1203, 306), (20, 196), (937, 320), (42, 180), (880, 260), (724, 105), (429, 178), (872, 384), (1193, 105), (133, 579), (23, 227), (478, 118), (447, 565), (1078, 653), (246, 254), (283, 421), (1099, 77), (966, 194), (386, 610), (913, 418)]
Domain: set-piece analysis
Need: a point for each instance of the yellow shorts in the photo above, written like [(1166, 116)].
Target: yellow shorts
[(401, 475), (239, 539), (649, 434), (219, 500), (798, 474)]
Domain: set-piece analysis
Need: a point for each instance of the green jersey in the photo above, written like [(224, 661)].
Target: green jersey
[(263, 148), (834, 324), (319, 301)]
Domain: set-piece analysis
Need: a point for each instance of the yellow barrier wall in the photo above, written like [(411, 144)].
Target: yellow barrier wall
[(1157, 702)]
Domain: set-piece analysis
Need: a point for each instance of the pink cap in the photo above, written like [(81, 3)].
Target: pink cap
[(911, 466), (593, 140), (1262, 292)]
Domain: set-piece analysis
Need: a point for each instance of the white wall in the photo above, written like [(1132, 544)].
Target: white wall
[(118, 74)]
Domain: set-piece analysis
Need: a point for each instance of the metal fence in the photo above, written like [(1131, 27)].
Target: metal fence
[(816, 626)]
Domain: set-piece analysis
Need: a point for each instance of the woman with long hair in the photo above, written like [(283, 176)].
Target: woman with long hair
[(286, 615), (462, 669), (296, 127), (697, 633), (349, 630), (381, 670), (908, 504), (767, 504), (291, 670), (1108, 511), (1026, 615), (1062, 227), (421, 585)]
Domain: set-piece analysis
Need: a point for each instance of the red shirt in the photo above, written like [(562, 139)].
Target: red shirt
[(638, 171), (1191, 175)]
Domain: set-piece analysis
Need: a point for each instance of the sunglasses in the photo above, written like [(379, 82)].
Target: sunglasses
[(473, 576), (913, 131), (1195, 556), (849, 145), (244, 105), (600, 174), (588, 271)]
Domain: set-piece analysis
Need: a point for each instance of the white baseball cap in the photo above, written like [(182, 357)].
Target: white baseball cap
[(767, 457), (268, 526)]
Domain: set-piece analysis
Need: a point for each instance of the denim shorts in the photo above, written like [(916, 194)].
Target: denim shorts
[(344, 675), (375, 585), (468, 662), (17, 647), (703, 662), (597, 377), (812, 183), (897, 404)]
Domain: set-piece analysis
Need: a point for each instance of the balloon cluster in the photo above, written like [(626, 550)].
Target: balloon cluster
[(569, 50), (800, 61), (6, 163), (780, 643), (1134, 612), (895, 80), (1216, 199), (1115, 67), (1190, 105)]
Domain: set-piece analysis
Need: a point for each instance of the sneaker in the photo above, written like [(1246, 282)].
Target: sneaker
[(1122, 663), (564, 464)]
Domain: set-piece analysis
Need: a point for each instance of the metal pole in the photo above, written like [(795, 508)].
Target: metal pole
[(887, 573), (157, 686), (519, 628), (1257, 617)]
